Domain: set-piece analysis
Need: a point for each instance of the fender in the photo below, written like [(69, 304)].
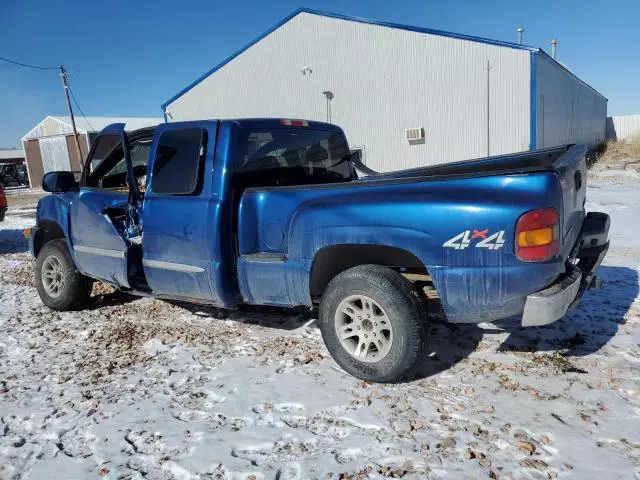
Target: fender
[(316, 225), (52, 216)]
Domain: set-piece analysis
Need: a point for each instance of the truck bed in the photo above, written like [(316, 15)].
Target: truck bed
[(421, 211), (527, 162)]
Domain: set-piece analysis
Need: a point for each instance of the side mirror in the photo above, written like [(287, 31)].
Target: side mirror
[(59, 182)]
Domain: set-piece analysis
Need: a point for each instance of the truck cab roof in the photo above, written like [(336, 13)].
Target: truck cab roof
[(260, 123)]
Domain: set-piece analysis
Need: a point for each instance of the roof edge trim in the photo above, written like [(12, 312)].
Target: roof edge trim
[(570, 73), (55, 119)]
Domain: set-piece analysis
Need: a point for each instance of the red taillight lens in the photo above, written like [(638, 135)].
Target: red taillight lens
[(294, 123), (537, 235)]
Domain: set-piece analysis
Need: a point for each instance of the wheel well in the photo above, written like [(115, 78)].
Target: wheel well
[(330, 261), (47, 231)]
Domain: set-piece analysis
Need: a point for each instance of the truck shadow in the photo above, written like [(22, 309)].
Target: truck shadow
[(583, 331), (100, 299), (12, 241), (264, 316), (450, 343), (588, 327)]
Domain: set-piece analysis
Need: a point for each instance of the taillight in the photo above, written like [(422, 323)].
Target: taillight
[(537, 235)]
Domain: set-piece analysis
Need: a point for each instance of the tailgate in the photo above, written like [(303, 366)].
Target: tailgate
[(572, 172)]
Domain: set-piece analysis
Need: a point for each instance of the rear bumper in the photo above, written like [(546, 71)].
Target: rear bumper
[(552, 303)]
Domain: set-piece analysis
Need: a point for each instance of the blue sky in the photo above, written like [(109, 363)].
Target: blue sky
[(125, 58)]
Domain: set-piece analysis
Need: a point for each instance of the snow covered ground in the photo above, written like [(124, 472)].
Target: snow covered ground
[(138, 388)]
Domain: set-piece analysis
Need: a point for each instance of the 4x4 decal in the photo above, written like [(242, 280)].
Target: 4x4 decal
[(463, 240)]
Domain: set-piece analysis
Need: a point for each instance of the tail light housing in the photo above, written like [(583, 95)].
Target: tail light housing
[(537, 235), (293, 123)]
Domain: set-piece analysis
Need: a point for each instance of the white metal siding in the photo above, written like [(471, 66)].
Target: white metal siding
[(567, 111), (623, 126), (384, 80), (49, 127), (55, 155)]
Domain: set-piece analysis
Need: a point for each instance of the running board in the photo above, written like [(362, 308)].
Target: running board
[(264, 257)]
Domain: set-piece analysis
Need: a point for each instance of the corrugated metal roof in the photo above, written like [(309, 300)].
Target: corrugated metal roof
[(6, 154), (51, 126), (95, 124)]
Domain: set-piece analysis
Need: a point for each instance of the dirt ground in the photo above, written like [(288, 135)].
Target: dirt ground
[(140, 388), (20, 198)]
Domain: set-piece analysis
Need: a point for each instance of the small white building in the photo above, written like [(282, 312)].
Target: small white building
[(50, 144), (406, 96)]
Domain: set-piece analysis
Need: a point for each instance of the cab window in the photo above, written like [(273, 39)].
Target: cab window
[(107, 168), (179, 163)]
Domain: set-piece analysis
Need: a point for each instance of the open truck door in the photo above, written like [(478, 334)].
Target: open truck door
[(103, 211)]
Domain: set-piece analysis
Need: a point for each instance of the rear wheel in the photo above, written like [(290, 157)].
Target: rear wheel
[(59, 283), (373, 323)]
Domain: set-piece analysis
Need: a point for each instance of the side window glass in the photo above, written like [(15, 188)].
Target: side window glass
[(117, 176), (105, 146), (106, 155), (107, 167), (179, 162)]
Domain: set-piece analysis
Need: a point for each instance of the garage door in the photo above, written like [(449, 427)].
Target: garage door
[(34, 163), (55, 155)]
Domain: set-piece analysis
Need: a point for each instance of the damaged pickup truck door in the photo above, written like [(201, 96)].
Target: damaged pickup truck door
[(181, 214), (98, 215)]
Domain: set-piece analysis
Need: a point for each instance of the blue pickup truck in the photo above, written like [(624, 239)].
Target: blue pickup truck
[(273, 212)]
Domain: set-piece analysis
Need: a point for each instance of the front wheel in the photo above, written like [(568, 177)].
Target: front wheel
[(373, 323), (59, 283)]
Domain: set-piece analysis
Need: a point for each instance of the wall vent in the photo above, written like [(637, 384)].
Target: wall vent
[(413, 134)]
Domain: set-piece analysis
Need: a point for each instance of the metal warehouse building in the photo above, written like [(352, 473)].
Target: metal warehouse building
[(406, 96), (50, 144)]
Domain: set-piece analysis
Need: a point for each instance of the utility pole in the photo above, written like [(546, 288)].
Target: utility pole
[(63, 76)]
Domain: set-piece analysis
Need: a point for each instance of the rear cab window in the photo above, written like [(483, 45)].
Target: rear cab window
[(292, 156)]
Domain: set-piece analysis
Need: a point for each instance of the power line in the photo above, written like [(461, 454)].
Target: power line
[(38, 67), (80, 110)]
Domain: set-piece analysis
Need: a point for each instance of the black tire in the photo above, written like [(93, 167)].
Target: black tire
[(399, 301), (76, 291)]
